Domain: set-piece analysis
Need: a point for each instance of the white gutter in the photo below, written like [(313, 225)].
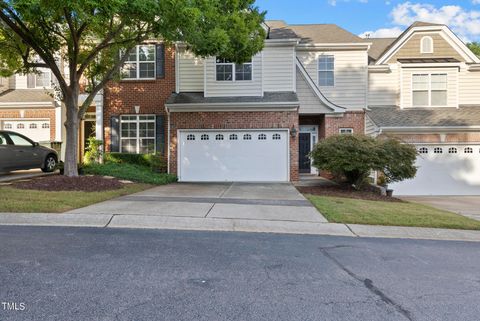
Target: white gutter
[(205, 107), (433, 129), (27, 104)]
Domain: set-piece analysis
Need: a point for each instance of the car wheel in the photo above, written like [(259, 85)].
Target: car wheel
[(50, 164)]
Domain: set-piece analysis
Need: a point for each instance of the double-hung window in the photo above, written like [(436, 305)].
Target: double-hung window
[(42, 79), (229, 71), (429, 90), (326, 71), (140, 63), (137, 134)]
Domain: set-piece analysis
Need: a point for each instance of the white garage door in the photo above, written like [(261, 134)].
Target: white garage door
[(36, 130), (444, 170), (236, 155)]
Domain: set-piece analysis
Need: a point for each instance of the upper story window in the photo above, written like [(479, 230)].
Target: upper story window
[(429, 90), (140, 63), (229, 71), (326, 71), (40, 80), (426, 45)]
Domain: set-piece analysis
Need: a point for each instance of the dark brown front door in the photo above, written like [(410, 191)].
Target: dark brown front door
[(303, 151)]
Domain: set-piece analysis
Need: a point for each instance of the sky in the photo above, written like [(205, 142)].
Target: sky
[(379, 18)]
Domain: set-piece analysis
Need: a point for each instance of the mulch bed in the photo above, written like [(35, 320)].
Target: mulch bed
[(345, 191), (56, 183)]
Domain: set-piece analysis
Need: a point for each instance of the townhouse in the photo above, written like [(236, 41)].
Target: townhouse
[(219, 121)]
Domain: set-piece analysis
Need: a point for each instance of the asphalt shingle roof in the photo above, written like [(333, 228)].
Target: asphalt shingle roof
[(198, 98), (311, 33), (422, 117), (25, 96)]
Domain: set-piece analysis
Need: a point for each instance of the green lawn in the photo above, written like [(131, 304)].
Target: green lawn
[(33, 201), (355, 211), (132, 172)]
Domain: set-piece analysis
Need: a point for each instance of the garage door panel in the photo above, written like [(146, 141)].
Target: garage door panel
[(36, 130), (234, 160), (444, 174)]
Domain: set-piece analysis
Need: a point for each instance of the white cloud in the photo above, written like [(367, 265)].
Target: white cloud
[(476, 1), (465, 23), (334, 2)]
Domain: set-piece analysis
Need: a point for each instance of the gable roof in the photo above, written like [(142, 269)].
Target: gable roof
[(26, 96), (378, 47), (311, 33), (404, 36)]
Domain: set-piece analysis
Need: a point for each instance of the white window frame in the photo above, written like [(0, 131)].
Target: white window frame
[(138, 138), (429, 89), (422, 45), (35, 78), (345, 131), (319, 70), (137, 62), (234, 70)]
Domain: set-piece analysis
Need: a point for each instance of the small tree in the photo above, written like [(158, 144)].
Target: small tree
[(474, 47), (91, 39), (353, 157)]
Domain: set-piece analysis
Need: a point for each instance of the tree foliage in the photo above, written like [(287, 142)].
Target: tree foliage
[(353, 157), (474, 47), (91, 39)]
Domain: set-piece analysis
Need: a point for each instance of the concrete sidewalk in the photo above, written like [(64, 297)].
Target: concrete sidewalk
[(235, 225)]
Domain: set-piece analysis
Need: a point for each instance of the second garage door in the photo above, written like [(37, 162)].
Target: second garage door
[(235, 155), (36, 130), (444, 170)]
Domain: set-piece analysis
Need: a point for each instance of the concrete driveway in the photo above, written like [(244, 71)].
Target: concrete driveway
[(465, 205), (272, 202)]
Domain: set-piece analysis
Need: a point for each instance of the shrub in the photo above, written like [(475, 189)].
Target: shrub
[(155, 162), (93, 151), (132, 172), (353, 157)]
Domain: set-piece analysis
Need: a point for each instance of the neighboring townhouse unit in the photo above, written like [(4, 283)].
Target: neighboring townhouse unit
[(424, 88), (27, 106)]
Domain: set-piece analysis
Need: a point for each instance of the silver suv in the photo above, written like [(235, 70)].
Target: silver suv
[(19, 152)]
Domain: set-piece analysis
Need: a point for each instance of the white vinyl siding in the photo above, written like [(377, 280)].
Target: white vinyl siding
[(350, 88), (309, 102), (384, 88), (469, 87), (370, 128), (278, 68), (190, 71), (214, 88), (407, 85)]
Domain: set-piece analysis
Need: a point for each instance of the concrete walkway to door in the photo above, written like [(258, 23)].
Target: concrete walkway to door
[(243, 201)]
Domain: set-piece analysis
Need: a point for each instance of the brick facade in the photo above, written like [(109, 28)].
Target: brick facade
[(151, 95), (351, 119), (235, 120), (34, 114)]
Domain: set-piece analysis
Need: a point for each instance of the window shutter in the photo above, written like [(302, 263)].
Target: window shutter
[(114, 134), (160, 134), (160, 61)]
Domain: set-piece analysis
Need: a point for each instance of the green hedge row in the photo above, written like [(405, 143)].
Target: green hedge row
[(156, 162)]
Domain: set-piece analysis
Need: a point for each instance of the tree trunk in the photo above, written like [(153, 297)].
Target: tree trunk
[(72, 125)]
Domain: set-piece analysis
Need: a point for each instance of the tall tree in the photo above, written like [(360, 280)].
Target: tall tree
[(474, 47), (93, 39)]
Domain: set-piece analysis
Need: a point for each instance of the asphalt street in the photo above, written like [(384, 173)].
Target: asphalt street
[(70, 274)]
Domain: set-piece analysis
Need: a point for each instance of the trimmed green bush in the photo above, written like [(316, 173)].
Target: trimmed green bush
[(132, 172), (353, 157), (156, 162)]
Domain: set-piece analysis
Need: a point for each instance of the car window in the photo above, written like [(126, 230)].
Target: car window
[(19, 140), (3, 139)]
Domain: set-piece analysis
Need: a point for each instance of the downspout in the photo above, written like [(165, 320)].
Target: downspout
[(168, 139)]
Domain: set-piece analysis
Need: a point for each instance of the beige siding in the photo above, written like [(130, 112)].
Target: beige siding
[(20, 81), (278, 68), (190, 72), (309, 102), (411, 48), (469, 88), (350, 90), (383, 88), (214, 88), (452, 85)]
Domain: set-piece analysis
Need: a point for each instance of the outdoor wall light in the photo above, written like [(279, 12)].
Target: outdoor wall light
[(293, 132)]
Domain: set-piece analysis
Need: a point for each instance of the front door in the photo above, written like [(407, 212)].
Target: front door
[(304, 150)]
